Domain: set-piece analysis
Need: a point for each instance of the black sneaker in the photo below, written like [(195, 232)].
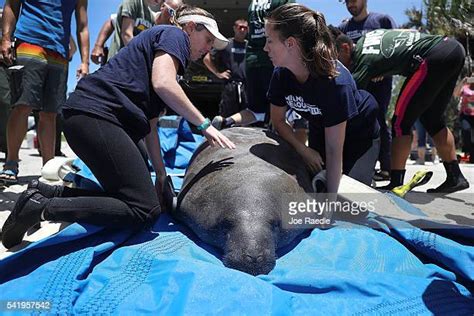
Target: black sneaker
[(25, 214), (451, 186), (382, 175), (48, 191)]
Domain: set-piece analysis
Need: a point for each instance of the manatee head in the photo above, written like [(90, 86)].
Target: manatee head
[(250, 245)]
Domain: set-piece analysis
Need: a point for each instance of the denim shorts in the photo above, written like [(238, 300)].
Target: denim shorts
[(39, 79)]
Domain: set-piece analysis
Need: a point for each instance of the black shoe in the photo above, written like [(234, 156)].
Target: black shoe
[(451, 185), (25, 214), (455, 180), (48, 191), (381, 175)]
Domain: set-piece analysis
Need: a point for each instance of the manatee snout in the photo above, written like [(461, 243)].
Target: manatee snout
[(251, 252)]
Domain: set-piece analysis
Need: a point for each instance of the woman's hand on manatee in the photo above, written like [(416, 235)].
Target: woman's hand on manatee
[(313, 159), (215, 138)]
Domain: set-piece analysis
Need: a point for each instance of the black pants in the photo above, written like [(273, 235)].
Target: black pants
[(382, 92), (117, 162), (426, 93)]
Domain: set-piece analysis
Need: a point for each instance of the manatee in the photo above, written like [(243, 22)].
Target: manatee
[(233, 199)]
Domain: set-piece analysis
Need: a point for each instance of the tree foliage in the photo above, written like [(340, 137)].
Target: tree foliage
[(445, 17)]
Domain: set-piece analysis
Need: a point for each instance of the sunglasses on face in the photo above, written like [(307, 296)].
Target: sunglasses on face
[(242, 27)]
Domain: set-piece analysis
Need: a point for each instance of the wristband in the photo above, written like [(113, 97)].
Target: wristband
[(204, 125)]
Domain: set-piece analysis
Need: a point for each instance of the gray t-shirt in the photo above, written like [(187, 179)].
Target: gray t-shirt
[(136, 10)]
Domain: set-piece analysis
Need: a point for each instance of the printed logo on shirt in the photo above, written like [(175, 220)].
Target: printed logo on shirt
[(258, 6), (140, 26), (386, 42), (238, 50), (297, 103), (356, 34)]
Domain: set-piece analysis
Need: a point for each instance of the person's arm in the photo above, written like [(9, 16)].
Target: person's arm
[(334, 139), (152, 142), (388, 23), (72, 48), (127, 29), (310, 156), (362, 77), (458, 89), (82, 37), (207, 60), (104, 34), (165, 69), (10, 16)]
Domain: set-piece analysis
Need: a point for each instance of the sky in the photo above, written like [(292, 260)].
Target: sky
[(334, 11)]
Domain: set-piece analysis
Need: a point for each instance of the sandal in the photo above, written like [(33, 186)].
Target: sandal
[(9, 174)]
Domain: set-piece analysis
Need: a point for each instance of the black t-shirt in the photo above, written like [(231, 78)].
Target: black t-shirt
[(232, 58), (328, 102), (121, 91)]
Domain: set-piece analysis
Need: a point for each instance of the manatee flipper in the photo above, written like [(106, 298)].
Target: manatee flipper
[(419, 178)]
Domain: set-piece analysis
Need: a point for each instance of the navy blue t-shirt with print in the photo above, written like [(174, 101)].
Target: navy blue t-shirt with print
[(374, 21), (328, 102), (121, 91)]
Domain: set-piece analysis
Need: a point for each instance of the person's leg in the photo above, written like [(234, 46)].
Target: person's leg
[(47, 135), (471, 139), (257, 83), (382, 92), (115, 160), (17, 127), (59, 131), (56, 85), (229, 100), (364, 167), (4, 106), (448, 58), (421, 148), (465, 133), (27, 94)]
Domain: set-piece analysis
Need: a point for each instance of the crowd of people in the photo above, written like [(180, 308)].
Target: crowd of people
[(324, 89)]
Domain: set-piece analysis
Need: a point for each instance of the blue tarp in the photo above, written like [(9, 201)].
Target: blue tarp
[(349, 269)]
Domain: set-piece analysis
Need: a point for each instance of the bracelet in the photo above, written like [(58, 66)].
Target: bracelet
[(204, 125)]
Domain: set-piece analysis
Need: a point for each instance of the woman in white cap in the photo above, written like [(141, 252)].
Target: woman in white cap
[(105, 117)]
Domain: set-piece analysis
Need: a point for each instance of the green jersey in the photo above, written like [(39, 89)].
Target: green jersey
[(258, 10), (390, 52), (136, 10)]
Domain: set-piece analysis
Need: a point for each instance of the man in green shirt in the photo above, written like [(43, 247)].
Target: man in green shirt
[(432, 64), (258, 67)]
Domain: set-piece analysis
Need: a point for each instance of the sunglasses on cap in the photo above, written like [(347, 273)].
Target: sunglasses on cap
[(171, 11)]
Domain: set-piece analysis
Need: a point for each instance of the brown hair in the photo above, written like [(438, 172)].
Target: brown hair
[(309, 29)]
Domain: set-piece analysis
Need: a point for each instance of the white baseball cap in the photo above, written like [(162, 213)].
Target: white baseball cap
[(220, 41)]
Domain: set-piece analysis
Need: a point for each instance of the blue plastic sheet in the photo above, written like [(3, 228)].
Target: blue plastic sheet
[(396, 269)]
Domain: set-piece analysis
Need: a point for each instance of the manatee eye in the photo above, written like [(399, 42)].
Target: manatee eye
[(275, 224), (226, 224)]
